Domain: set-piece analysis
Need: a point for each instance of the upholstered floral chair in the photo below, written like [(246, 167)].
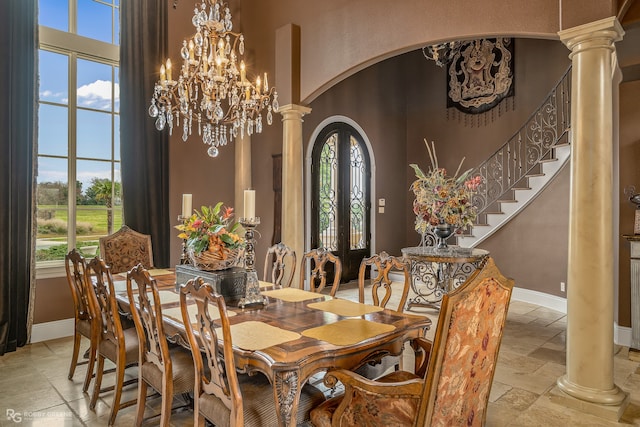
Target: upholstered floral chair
[(458, 368), (125, 249)]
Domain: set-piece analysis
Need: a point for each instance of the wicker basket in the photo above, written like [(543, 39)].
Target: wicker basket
[(210, 261)]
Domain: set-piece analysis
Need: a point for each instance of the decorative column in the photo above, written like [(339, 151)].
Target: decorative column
[(242, 172), (293, 178), (590, 275)]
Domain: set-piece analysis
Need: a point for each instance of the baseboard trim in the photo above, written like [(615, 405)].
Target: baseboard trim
[(540, 298), (52, 330)]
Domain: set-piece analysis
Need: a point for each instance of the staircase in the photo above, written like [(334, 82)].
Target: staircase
[(519, 170)]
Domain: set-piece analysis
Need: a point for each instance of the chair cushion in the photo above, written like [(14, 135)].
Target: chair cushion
[(183, 372), (258, 403), (109, 350)]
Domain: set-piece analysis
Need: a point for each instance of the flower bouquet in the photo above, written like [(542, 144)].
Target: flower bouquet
[(441, 200), (213, 239)]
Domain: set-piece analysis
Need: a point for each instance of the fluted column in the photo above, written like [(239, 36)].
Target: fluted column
[(293, 178), (242, 172), (590, 275)]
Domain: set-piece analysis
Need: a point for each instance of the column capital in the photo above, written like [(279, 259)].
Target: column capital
[(597, 34), (289, 111)]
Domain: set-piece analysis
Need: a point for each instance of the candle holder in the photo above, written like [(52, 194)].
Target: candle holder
[(252, 287), (184, 259)]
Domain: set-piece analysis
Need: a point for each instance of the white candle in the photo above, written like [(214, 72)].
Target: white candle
[(249, 203), (186, 205)]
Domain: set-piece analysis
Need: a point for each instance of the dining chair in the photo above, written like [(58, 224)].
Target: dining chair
[(464, 351), (318, 274), (382, 287), (383, 290), (221, 395), (275, 263), (167, 369), (125, 249), (118, 344), (85, 324)]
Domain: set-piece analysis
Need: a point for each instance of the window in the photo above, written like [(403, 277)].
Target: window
[(78, 184)]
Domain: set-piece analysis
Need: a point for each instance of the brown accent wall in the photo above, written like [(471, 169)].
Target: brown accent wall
[(53, 300)]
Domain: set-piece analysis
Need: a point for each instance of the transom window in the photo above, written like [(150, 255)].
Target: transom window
[(78, 184)]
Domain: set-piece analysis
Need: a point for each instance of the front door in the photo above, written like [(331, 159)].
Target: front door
[(340, 200)]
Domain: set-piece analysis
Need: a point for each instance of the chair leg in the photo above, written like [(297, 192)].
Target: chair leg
[(98, 382), (117, 392), (142, 400), (165, 413), (74, 355), (90, 365)]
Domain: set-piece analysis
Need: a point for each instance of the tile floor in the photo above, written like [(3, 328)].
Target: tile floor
[(35, 391)]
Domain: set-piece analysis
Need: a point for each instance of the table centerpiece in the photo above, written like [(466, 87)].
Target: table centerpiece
[(443, 204), (213, 237)]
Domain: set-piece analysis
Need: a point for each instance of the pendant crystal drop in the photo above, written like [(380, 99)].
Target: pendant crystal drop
[(241, 47), (235, 99), (218, 112), (213, 151), (153, 110), (259, 124), (269, 117), (160, 122), (276, 104), (216, 13)]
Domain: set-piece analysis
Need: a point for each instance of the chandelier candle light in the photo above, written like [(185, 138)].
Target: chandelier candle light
[(212, 91)]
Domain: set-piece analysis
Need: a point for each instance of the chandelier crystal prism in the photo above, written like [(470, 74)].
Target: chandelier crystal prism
[(212, 94)]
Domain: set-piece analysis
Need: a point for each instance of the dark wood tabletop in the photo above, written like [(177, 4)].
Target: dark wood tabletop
[(289, 365)]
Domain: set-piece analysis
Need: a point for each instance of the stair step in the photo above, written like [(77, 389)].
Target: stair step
[(534, 175), (507, 201), (548, 160), (521, 188)]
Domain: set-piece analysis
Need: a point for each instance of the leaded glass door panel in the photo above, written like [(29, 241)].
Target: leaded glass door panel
[(340, 202)]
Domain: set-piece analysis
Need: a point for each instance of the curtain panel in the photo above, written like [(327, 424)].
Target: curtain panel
[(18, 148), (144, 151)]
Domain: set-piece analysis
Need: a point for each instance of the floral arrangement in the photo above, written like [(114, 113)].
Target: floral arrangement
[(440, 199), (212, 231)]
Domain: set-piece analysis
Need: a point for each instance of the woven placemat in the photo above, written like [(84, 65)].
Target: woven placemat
[(348, 331), (292, 294), (343, 307), (254, 335), (263, 284), (176, 314), (159, 272)]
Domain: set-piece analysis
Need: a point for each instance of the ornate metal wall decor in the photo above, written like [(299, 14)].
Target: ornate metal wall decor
[(480, 76)]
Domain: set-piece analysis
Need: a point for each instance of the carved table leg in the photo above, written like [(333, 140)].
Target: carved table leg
[(287, 395)]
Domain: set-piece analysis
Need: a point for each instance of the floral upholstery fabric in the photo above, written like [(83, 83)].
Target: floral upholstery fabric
[(125, 249), (470, 354)]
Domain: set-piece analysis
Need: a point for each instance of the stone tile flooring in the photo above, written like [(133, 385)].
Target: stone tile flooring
[(35, 391)]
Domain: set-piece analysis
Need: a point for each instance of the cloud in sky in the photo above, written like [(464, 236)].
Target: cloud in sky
[(97, 94)]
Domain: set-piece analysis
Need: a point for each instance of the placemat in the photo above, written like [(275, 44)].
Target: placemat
[(167, 297), (348, 331), (263, 284), (292, 294), (254, 335), (176, 314), (343, 307), (159, 272)]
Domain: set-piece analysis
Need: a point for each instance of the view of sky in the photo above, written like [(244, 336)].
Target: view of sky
[(96, 92)]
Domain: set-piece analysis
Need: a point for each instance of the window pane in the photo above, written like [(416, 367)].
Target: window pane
[(54, 14), (357, 210), (116, 26), (116, 90), (52, 194), (94, 134), (54, 77), (328, 186), (52, 130), (94, 85), (95, 20), (92, 175), (116, 138)]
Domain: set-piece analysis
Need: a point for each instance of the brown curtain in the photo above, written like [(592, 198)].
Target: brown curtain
[(18, 86), (144, 151)]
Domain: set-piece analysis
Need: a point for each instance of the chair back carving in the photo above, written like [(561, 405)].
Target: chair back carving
[(381, 285), (76, 266), (216, 380), (318, 275), (465, 350), (275, 260), (125, 249), (147, 316), (104, 304)]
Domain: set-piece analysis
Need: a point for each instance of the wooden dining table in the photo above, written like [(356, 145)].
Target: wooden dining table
[(296, 335)]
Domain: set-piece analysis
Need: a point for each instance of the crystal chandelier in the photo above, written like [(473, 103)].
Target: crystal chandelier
[(443, 53), (212, 92)]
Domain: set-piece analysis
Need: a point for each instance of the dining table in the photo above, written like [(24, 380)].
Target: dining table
[(295, 335)]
